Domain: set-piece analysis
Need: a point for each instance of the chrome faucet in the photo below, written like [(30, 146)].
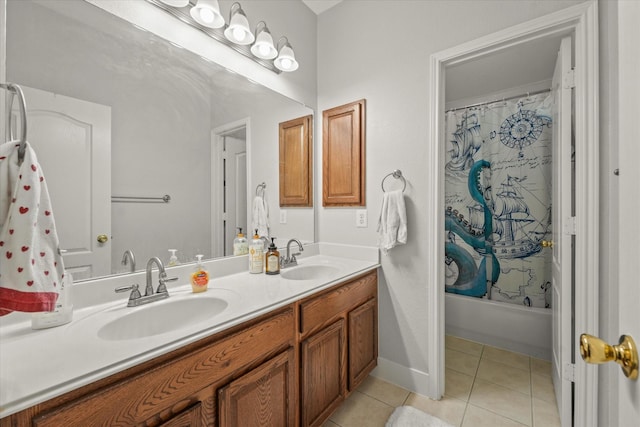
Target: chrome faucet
[(136, 299), (129, 256), (290, 258)]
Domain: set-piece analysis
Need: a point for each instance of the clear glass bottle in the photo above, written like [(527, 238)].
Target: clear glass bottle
[(240, 244)]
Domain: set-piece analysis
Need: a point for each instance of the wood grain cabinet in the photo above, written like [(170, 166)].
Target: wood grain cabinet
[(296, 162), (339, 345), (343, 155), (293, 366)]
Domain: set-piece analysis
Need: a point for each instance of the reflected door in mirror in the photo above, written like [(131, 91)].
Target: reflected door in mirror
[(72, 141)]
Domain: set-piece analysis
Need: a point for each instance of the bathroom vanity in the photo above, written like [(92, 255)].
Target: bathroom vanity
[(288, 363)]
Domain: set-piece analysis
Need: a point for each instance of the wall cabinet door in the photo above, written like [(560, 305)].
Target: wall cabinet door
[(343, 155), (363, 342), (296, 162), (262, 397), (323, 382)]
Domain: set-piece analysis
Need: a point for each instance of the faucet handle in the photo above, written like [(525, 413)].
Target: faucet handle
[(135, 292), (163, 279)]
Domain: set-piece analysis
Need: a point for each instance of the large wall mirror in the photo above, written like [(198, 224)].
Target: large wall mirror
[(118, 115)]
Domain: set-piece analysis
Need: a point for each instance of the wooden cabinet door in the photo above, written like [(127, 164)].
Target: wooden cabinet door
[(323, 382), (343, 155), (262, 397), (363, 342), (191, 417), (296, 162)]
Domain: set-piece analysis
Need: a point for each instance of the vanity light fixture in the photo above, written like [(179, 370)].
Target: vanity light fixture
[(286, 60), (238, 30), (204, 15), (263, 47), (207, 13), (176, 3)]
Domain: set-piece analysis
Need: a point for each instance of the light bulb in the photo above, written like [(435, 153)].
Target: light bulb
[(286, 63), (264, 49), (239, 34), (207, 15)]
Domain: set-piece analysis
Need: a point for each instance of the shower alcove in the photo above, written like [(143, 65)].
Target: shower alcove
[(496, 90)]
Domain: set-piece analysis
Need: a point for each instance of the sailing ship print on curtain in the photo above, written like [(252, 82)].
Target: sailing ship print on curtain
[(498, 201)]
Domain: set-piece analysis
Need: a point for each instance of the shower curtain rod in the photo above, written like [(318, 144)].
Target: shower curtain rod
[(536, 92)]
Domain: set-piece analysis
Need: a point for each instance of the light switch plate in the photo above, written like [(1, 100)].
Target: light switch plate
[(362, 220), (283, 217)]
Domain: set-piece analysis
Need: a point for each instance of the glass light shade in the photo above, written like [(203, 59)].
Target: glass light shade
[(238, 30), (286, 60), (207, 13), (263, 47), (176, 3)]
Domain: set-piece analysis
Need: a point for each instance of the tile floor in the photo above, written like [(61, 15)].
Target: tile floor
[(484, 386)]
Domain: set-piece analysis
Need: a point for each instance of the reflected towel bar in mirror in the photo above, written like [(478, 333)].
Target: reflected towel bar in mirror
[(133, 199)]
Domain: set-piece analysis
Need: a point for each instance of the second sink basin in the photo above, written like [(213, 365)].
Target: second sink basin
[(160, 317), (309, 272)]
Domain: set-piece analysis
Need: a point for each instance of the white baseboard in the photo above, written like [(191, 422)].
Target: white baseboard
[(405, 377)]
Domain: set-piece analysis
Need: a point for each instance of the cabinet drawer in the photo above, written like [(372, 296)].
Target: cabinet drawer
[(321, 310), (142, 396)]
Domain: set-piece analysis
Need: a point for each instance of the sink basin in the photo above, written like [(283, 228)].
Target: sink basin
[(160, 317), (309, 272)]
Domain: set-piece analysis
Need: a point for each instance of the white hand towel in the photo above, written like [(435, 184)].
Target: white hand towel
[(31, 268), (260, 220), (392, 225)]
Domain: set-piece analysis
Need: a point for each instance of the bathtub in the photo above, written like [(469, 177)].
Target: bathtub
[(509, 326)]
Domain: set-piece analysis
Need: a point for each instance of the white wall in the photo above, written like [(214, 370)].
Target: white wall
[(379, 50)]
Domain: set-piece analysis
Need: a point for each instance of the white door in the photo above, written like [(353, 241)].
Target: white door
[(72, 140), (561, 273), (629, 196), (235, 189)]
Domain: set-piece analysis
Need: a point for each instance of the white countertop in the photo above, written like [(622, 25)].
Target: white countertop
[(37, 365)]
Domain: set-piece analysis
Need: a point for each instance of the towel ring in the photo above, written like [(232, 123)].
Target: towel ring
[(397, 174), (14, 89), (262, 187)]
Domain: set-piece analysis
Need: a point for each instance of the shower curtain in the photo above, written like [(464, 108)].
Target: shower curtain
[(498, 201)]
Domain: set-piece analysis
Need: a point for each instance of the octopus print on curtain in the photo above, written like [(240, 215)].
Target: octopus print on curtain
[(498, 201)]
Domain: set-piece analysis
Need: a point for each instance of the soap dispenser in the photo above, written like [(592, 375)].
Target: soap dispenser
[(272, 258), (200, 277), (173, 259), (256, 254), (240, 244)]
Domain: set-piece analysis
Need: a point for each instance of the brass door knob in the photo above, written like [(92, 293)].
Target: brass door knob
[(547, 243), (102, 238), (594, 350)]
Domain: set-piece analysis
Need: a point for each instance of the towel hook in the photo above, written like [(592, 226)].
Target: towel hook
[(397, 174), (17, 90)]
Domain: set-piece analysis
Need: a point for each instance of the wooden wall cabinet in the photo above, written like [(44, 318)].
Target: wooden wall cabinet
[(296, 162), (339, 345), (293, 366), (343, 155)]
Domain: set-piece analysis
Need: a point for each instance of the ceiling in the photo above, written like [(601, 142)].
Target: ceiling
[(319, 6)]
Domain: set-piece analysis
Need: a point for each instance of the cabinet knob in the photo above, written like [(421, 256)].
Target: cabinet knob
[(102, 238)]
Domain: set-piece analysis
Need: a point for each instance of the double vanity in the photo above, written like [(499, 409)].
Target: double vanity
[(252, 350)]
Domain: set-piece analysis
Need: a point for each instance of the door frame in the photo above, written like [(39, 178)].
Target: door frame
[(217, 135), (580, 21)]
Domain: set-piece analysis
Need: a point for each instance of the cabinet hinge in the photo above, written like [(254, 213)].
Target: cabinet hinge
[(570, 226), (569, 372), (570, 79)]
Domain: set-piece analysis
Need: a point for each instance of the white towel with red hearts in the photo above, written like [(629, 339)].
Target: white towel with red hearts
[(31, 267)]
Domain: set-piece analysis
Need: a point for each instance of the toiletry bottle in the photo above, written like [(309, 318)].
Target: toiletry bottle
[(200, 277), (256, 254), (272, 259), (240, 244), (173, 259)]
